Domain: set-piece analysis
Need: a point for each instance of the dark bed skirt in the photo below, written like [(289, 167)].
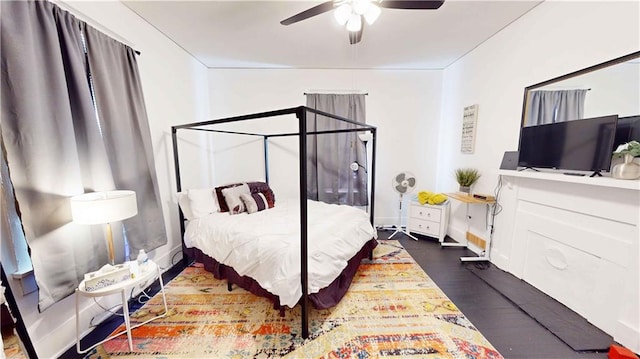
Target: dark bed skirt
[(327, 297)]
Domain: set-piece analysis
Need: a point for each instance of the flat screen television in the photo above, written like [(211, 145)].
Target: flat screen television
[(580, 145), (628, 129)]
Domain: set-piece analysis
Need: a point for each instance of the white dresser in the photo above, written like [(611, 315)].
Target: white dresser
[(429, 220)]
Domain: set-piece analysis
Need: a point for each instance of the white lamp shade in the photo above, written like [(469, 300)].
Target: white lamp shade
[(103, 207)]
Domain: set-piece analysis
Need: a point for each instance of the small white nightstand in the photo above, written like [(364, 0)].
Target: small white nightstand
[(147, 274), (429, 220)]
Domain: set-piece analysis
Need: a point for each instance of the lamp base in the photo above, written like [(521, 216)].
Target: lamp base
[(112, 257)]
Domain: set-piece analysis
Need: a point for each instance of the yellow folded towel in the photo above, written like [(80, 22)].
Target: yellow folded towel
[(437, 198), (431, 198), (423, 196)]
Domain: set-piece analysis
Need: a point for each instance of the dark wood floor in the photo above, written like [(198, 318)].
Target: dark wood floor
[(511, 331)]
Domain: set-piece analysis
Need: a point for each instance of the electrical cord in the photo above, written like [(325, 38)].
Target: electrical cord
[(143, 297), (490, 218), (173, 258), (480, 265), (496, 192), (110, 310)]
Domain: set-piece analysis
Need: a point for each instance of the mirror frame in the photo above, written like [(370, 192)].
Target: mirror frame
[(615, 61)]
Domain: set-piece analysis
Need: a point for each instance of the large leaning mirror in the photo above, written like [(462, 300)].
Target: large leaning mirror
[(609, 88), (606, 96)]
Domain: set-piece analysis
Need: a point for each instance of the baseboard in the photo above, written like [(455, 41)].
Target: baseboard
[(388, 221), (500, 260), (628, 336), (457, 234)]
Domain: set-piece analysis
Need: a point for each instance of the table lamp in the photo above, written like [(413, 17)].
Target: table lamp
[(104, 208)]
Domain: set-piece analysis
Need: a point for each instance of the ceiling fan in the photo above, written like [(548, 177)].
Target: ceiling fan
[(353, 13)]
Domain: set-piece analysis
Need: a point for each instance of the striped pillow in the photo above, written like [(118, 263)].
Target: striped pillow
[(254, 202), (232, 198), (254, 187)]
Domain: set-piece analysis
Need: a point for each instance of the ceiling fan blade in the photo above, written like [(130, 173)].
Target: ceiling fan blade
[(316, 10), (356, 37), (411, 4)]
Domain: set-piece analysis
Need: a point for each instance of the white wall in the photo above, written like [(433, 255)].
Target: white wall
[(555, 38), (404, 105), (175, 90)]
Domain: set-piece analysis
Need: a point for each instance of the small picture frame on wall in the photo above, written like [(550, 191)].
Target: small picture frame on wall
[(469, 119)]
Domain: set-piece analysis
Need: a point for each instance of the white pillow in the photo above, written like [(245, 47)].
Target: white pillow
[(185, 205), (202, 201), (232, 197)]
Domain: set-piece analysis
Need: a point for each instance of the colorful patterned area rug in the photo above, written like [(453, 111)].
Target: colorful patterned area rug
[(391, 309)]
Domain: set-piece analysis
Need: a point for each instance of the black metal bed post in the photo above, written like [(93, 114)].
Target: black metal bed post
[(372, 200), (302, 118), (176, 165), (265, 141)]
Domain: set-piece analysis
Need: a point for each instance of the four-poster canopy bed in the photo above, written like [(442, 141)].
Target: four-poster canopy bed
[(327, 296)]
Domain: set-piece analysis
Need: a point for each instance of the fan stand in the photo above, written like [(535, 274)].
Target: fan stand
[(399, 227)]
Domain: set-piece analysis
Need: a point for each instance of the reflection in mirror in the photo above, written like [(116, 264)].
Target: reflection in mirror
[(610, 88)]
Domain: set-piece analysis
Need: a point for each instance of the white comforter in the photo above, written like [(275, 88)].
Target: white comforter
[(266, 245)]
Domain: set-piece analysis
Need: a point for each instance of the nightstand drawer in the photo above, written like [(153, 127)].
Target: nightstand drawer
[(428, 228), (425, 213)]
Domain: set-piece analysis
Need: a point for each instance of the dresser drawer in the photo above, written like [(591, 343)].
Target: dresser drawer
[(428, 228), (425, 213)]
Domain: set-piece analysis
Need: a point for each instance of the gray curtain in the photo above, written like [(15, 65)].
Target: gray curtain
[(127, 138), (55, 146), (545, 107), (330, 178)]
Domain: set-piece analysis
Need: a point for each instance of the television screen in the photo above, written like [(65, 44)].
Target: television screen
[(581, 145), (628, 129)]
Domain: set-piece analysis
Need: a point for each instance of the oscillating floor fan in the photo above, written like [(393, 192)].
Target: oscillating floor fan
[(403, 183)]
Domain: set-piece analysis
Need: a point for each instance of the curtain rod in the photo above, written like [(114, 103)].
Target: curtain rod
[(317, 92), (559, 88), (81, 16)]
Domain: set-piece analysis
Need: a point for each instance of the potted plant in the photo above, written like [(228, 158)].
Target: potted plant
[(466, 177), (628, 169)]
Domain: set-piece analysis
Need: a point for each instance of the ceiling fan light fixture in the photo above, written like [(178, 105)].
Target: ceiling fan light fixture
[(355, 23), (361, 7), (342, 14), (372, 14)]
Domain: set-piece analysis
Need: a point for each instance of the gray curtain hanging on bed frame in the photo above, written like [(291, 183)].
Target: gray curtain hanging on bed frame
[(330, 178)]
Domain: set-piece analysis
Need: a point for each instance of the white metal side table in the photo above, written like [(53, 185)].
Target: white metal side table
[(148, 272)]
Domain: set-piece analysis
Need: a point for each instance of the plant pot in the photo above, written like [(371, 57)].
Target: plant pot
[(465, 189), (627, 170)]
